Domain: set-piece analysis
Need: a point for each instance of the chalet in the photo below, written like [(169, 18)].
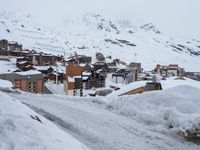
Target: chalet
[(81, 59), (125, 76), (28, 81), (112, 67), (19, 59), (14, 46), (87, 67), (74, 83), (119, 76), (44, 69), (101, 65), (135, 66), (150, 86), (57, 77), (24, 65), (161, 70), (137, 88), (93, 80), (3, 45), (21, 53), (132, 76), (71, 61), (42, 59), (100, 57), (116, 61), (170, 70), (175, 70)]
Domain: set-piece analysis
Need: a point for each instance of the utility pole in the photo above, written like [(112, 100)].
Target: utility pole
[(56, 73)]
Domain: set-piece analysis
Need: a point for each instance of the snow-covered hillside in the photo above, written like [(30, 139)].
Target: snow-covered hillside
[(152, 121), (91, 33), (21, 27), (23, 129), (131, 41)]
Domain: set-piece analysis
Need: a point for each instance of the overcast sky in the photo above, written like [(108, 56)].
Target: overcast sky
[(180, 18)]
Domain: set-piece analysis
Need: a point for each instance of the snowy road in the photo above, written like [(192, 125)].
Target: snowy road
[(99, 127)]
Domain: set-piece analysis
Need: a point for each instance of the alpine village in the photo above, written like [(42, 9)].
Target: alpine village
[(79, 75)]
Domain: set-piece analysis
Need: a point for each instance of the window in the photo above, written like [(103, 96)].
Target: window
[(32, 87), (18, 84)]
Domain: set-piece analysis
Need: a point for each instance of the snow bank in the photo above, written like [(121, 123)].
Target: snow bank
[(175, 110), (174, 81), (23, 129), (166, 84), (55, 88), (5, 84)]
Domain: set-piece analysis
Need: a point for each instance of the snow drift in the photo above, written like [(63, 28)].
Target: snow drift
[(173, 111), (156, 120), (23, 129)]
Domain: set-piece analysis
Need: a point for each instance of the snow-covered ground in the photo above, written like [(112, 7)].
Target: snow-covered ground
[(23, 129), (150, 121), (8, 65), (166, 84), (55, 88), (5, 84)]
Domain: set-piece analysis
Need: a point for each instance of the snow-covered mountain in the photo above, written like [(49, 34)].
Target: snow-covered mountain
[(21, 27), (124, 39)]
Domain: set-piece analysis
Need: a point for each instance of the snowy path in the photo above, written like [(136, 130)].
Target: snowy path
[(100, 128)]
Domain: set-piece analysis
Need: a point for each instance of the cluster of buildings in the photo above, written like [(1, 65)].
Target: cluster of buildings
[(170, 70), (77, 73), (33, 69)]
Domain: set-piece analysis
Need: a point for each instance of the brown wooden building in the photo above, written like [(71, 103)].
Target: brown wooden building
[(28, 81), (14, 46), (150, 86), (93, 80)]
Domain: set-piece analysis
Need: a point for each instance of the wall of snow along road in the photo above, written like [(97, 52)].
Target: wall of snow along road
[(173, 111), (23, 129)]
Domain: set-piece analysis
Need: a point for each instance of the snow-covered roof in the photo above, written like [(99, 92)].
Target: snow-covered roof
[(30, 72), (8, 66), (85, 77), (127, 88), (22, 62), (42, 67), (82, 65), (121, 66), (72, 78), (100, 70), (86, 73)]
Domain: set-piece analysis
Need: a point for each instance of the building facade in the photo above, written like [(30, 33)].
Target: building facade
[(73, 84), (29, 81)]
